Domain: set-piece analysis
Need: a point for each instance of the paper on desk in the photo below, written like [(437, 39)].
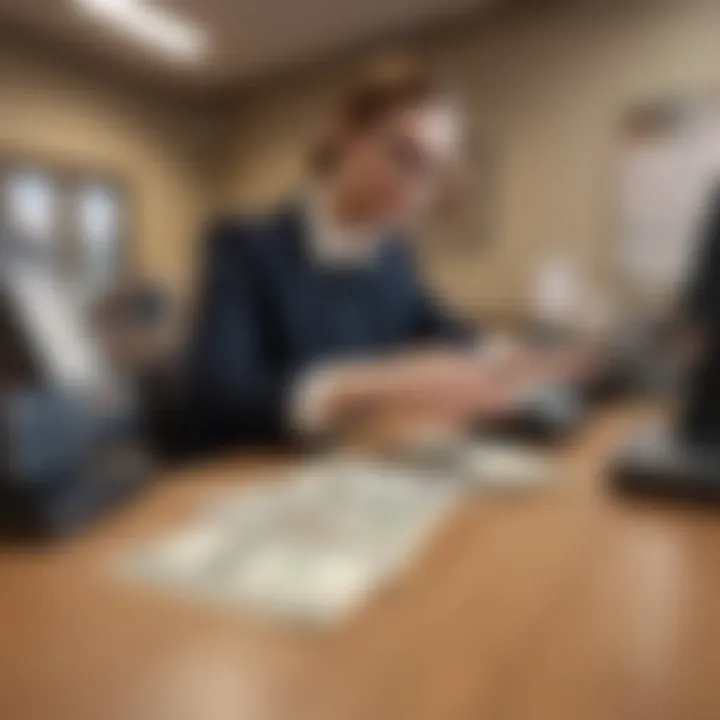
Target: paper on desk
[(497, 466), (315, 546), (476, 465), (312, 547)]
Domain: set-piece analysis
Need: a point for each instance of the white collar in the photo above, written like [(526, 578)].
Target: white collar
[(332, 245)]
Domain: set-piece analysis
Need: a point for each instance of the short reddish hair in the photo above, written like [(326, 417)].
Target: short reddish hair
[(382, 90)]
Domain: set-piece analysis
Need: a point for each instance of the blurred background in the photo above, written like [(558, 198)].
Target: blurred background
[(591, 170), (122, 135)]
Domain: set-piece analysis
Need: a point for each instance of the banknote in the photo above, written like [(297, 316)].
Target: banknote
[(316, 544), (312, 546)]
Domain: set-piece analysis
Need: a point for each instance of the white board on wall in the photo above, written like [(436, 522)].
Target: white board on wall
[(669, 167)]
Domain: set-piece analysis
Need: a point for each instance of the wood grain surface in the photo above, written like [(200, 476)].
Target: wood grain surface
[(570, 604)]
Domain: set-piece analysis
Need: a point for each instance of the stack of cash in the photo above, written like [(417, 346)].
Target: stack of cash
[(315, 545)]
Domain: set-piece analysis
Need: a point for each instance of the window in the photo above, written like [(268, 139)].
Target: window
[(98, 218), (72, 221), (32, 217)]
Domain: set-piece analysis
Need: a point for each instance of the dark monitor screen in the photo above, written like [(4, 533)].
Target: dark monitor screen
[(699, 422)]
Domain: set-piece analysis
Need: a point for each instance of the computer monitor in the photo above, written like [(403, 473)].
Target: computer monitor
[(682, 461), (698, 423)]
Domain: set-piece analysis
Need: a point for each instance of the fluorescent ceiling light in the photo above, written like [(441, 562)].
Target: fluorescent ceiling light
[(156, 27)]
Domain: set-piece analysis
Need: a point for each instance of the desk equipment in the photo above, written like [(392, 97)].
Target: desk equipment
[(683, 460), (657, 462), (545, 414), (68, 427)]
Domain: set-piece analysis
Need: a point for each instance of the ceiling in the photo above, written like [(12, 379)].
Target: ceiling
[(248, 37)]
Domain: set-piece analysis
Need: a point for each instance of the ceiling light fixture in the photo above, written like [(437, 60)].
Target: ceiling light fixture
[(158, 28)]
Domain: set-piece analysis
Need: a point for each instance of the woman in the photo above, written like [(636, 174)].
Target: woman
[(313, 316)]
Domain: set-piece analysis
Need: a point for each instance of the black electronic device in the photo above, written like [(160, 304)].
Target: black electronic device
[(682, 460), (548, 414)]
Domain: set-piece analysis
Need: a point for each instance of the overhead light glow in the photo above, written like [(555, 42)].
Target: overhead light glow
[(156, 27)]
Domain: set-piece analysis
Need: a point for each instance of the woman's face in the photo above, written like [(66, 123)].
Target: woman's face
[(389, 173)]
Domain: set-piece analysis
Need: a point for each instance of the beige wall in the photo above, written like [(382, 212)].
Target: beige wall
[(163, 147), (545, 89)]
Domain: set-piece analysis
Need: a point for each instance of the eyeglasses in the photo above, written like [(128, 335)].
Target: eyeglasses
[(408, 157)]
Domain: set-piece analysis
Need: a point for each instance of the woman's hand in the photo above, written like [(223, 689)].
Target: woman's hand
[(449, 384)]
